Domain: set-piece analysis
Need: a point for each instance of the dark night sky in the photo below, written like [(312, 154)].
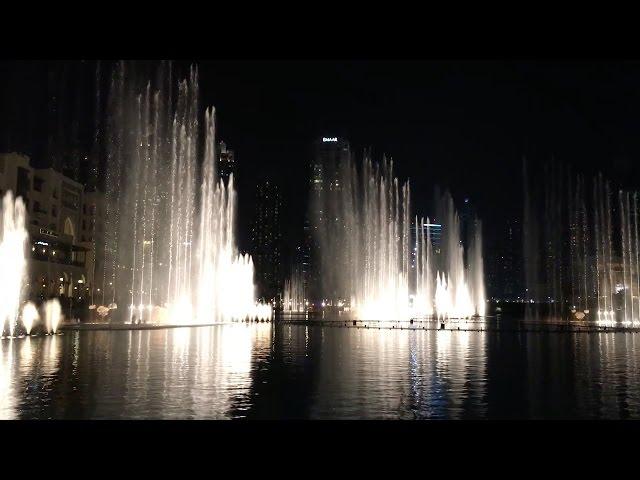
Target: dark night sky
[(461, 125)]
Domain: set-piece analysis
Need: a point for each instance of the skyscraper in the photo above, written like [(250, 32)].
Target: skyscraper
[(505, 277), (432, 230), (226, 164), (468, 225), (468, 219), (303, 255), (329, 155), (266, 240)]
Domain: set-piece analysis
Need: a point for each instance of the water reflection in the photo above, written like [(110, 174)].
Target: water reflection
[(29, 372), (7, 394), (371, 373), (282, 370), (171, 373)]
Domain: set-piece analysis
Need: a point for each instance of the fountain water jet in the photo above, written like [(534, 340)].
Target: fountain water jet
[(29, 316), (294, 296), (12, 260), (169, 233), (590, 243), (52, 315), (363, 232)]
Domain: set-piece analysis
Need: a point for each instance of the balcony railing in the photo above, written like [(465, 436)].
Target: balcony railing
[(58, 260)]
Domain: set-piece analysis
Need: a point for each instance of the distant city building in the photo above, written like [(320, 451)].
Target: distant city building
[(60, 223), (505, 263), (435, 234), (302, 255), (226, 163), (431, 230), (73, 164), (513, 282), (468, 219), (83, 168), (266, 240), (329, 154)]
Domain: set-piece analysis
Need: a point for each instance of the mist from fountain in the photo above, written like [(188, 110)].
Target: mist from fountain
[(363, 234), (590, 246), (170, 251), (462, 291), (294, 299), (12, 261), (52, 315), (29, 316)]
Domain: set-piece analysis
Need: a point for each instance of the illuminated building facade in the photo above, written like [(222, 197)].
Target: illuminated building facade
[(431, 230), (58, 233)]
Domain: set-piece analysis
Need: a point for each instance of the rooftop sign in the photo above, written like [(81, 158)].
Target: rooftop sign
[(329, 139)]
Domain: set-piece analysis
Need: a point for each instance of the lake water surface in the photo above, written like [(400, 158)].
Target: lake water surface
[(285, 370)]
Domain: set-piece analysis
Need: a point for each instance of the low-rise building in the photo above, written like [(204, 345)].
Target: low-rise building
[(64, 229)]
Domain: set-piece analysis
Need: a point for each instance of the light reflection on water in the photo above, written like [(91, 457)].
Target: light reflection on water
[(270, 370)]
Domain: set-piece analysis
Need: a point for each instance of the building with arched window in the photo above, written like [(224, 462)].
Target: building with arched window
[(59, 245)]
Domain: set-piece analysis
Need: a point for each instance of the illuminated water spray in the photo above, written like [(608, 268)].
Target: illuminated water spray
[(12, 260), (363, 231), (582, 247), (52, 315), (294, 300), (460, 290), (170, 250), (29, 316)]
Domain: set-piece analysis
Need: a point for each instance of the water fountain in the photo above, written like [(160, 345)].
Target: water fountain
[(460, 291), (52, 315), (363, 234), (294, 300), (589, 249), (29, 316), (12, 261), (13, 264), (170, 252)]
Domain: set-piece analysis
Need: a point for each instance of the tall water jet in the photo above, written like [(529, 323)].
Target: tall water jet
[(590, 244), (476, 269), (170, 235), (530, 238), (294, 299), (29, 316), (52, 315), (363, 231), (12, 260), (463, 288)]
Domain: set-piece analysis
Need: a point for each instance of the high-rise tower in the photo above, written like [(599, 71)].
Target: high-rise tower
[(330, 154)]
